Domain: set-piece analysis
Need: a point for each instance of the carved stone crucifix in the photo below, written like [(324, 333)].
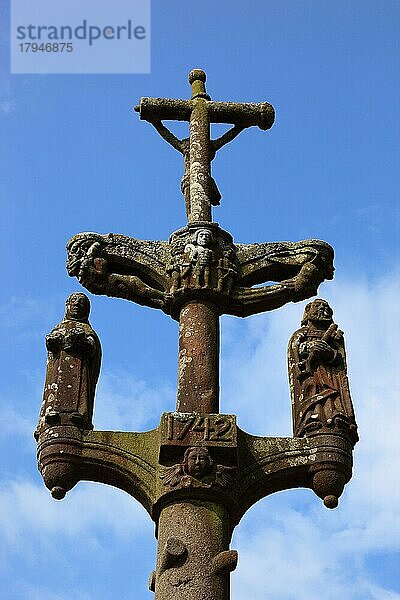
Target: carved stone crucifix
[(198, 473), (198, 187)]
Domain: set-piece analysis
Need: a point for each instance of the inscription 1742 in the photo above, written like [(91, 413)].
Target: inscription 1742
[(206, 428)]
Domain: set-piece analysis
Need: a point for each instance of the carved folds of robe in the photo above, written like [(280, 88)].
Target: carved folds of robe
[(318, 380), (73, 366)]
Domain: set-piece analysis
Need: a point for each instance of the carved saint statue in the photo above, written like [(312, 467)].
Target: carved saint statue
[(197, 470), (73, 366), (201, 256), (319, 386)]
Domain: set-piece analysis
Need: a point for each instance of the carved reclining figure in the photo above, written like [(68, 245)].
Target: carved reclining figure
[(157, 274)]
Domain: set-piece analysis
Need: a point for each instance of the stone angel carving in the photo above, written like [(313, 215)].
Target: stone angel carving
[(200, 261), (197, 470), (121, 267), (297, 267)]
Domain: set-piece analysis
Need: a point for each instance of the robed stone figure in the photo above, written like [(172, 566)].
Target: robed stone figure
[(319, 386), (73, 366)]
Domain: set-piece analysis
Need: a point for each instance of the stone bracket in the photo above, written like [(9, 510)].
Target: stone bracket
[(242, 468), (125, 460)]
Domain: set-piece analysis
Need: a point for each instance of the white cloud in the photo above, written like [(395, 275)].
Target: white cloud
[(378, 593), (309, 553), (29, 516), (12, 423)]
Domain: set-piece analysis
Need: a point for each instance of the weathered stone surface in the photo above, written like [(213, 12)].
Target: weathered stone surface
[(198, 358), (73, 366), (200, 262), (198, 473), (125, 460), (318, 376), (202, 532), (130, 461), (199, 188), (122, 267), (181, 430), (235, 477)]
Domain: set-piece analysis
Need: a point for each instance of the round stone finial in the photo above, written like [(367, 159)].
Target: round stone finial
[(58, 492), (197, 75), (331, 501)]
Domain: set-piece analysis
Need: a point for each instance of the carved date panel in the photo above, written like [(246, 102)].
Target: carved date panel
[(182, 430)]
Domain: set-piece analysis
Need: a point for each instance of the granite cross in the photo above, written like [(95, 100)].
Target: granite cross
[(198, 473)]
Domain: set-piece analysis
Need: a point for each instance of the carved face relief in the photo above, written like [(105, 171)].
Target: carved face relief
[(77, 307), (329, 270), (204, 238), (319, 311), (197, 462), (197, 470)]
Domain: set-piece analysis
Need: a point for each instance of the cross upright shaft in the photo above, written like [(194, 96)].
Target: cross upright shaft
[(198, 358), (200, 161), (198, 368)]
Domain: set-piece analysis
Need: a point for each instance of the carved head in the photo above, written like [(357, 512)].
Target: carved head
[(327, 263), (77, 307), (317, 311), (197, 462), (79, 248), (76, 250), (203, 237)]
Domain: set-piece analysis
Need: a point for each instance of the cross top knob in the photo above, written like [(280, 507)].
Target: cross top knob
[(197, 79)]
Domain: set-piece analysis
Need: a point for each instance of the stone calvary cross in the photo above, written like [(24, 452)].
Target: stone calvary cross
[(198, 472)]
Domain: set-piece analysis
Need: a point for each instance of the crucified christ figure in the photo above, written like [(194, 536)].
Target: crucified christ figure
[(183, 146)]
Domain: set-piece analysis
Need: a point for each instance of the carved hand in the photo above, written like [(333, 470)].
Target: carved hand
[(338, 336), (306, 282), (75, 341), (321, 351), (54, 341)]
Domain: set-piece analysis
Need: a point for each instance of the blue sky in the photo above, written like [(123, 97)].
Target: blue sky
[(75, 157)]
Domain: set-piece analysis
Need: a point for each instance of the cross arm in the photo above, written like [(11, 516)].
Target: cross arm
[(322, 463), (297, 267), (119, 266), (164, 109), (243, 114), (153, 466), (278, 261)]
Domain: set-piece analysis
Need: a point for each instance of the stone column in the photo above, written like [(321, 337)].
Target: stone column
[(198, 363), (193, 561)]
